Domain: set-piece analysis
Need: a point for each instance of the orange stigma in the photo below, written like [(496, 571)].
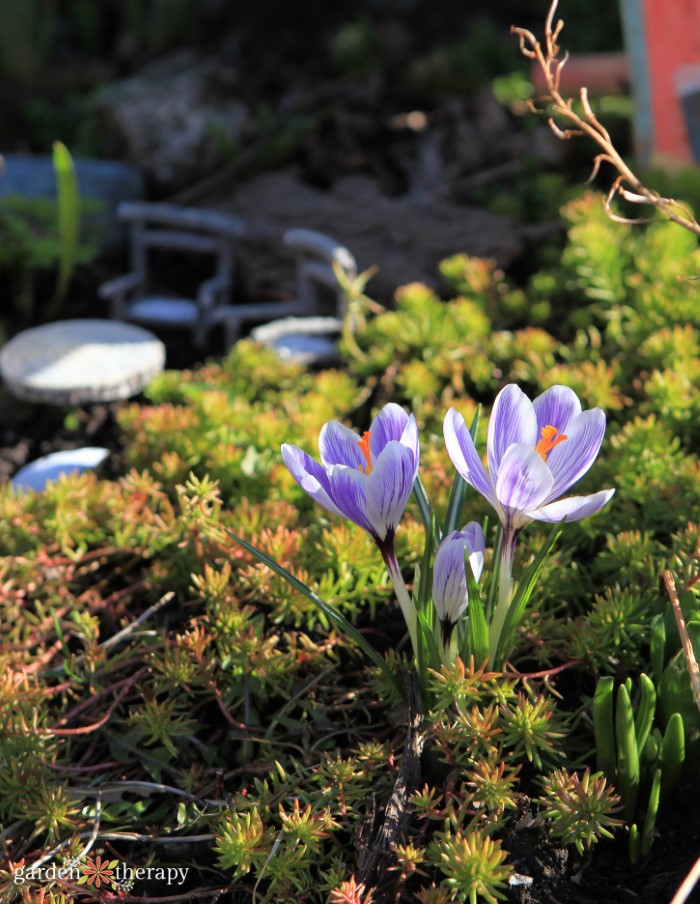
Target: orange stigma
[(364, 445), (549, 441)]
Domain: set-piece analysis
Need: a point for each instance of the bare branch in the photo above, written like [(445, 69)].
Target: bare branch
[(566, 123)]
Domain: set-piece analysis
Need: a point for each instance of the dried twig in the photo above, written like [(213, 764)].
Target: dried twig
[(692, 662), (566, 123), (688, 884)]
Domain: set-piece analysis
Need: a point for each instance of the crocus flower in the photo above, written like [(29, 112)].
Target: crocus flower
[(450, 586), (366, 479), (536, 451)]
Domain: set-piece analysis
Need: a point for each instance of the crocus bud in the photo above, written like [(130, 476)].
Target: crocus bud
[(450, 587)]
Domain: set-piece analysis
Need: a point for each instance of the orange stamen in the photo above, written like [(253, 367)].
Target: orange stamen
[(364, 445), (549, 441)]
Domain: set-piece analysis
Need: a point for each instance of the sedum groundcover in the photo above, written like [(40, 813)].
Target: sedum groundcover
[(180, 721)]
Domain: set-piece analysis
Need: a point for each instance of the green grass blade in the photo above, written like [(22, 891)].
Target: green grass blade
[(68, 202), (331, 614)]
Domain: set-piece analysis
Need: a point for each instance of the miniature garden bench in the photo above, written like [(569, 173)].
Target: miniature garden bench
[(303, 334)]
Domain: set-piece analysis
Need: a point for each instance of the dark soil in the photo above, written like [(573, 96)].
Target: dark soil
[(606, 876)]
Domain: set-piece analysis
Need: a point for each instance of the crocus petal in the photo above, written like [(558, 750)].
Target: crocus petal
[(389, 424), (556, 407), (388, 488), (409, 438), (573, 508), (462, 451), (570, 460), (474, 536), (310, 475), (524, 483), (348, 488), (450, 594), (450, 587), (338, 445), (513, 420)]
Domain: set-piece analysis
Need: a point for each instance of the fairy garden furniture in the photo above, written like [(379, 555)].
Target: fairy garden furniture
[(182, 230), (71, 362), (320, 300)]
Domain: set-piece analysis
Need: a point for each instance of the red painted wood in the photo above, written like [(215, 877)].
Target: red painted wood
[(672, 30)]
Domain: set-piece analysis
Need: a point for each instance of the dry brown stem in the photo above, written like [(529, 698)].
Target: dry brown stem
[(566, 123)]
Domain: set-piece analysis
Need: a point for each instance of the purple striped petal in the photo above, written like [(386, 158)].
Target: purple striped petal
[(389, 424), (450, 593), (338, 445), (349, 493), (574, 508), (388, 488), (569, 461), (409, 439), (513, 420), (524, 483), (450, 589), (462, 451), (476, 542), (310, 475), (556, 407)]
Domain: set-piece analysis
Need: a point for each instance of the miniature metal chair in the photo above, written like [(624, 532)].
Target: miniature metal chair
[(311, 336), (181, 229)]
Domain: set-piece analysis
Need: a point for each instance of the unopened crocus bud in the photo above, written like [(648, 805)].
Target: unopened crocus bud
[(450, 586)]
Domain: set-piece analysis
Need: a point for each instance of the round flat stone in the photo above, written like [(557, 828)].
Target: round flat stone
[(37, 474), (74, 361)]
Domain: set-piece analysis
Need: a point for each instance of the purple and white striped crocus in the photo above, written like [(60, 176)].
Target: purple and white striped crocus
[(367, 480), (450, 585), (536, 451)]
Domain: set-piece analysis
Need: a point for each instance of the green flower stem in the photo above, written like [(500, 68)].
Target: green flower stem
[(505, 593), (402, 594)]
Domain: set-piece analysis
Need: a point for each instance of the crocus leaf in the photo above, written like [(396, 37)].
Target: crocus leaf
[(604, 728), (657, 643), (645, 711), (425, 586), (331, 613), (424, 507), (647, 838), (477, 626), (672, 753), (522, 595), (627, 754)]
